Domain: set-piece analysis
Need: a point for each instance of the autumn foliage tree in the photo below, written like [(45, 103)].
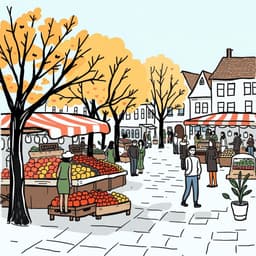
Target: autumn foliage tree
[(124, 88), (37, 59), (167, 89)]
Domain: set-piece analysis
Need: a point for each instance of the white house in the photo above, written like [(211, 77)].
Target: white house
[(234, 84)]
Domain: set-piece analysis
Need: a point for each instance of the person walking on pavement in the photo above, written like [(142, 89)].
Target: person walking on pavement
[(250, 145), (223, 142), (110, 153), (192, 175), (183, 152), (133, 153), (142, 152), (175, 144), (211, 156), (64, 182), (170, 134), (237, 142)]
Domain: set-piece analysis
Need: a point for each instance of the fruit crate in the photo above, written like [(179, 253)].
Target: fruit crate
[(112, 209), (225, 161), (73, 212), (39, 154)]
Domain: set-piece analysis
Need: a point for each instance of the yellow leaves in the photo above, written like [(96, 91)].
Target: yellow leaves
[(35, 53), (44, 81), (11, 85), (34, 97), (32, 15)]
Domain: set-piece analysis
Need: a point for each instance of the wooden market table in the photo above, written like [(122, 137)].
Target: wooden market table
[(40, 192)]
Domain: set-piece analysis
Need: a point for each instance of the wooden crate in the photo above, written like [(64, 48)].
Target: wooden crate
[(73, 213), (225, 161), (124, 159), (113, 209), (53, 153), (99, 156), (116, 182)]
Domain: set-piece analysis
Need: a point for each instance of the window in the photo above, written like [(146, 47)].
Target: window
[(53, 109), (201, 82), (220, 90), (132, 133), (128, 133), (75, 110), (142, 113), (248, 106), (181, 112), (136, 114), (231, 89), (231, 107), (150, 115), (197, 108), (85, 111), (205, 107), (137, 133), (61, 110), (247, 88), (128, 116), (254, 88), (169, 111), (220, 107)]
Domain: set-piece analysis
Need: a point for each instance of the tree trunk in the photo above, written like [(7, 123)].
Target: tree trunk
[(90, 144), (161, 133), (103, 135), (18, 212), (116, 140)]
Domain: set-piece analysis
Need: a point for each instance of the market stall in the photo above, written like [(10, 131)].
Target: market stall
[(223, 121), (244, 163), (40, 171)]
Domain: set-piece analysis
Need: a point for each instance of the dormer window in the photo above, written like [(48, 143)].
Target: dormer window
[(201, 82)]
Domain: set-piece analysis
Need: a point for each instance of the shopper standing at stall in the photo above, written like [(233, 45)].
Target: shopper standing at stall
[(250, 145), (133, 153), (142, 153), (192, 175), (110, 152), (183, 152), (237, 142), (64, 182), (223, 142), (211, 156), (197, 137), (214, 136)]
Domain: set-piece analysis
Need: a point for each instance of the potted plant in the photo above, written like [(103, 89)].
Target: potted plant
[(239, 188)]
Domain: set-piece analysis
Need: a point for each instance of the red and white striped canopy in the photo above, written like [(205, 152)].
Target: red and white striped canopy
[(60, 125), (224, 119)]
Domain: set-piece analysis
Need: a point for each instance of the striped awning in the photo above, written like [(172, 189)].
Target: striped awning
[(58, 124), (224, 119)]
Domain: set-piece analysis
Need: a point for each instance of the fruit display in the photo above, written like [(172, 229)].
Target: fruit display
[(103, 168), (76, 199), (5, 174), (121, 198), (79, 171), (243, 164), (227, 153)]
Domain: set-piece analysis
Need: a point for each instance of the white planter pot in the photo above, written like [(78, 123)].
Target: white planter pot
[(239, 211)]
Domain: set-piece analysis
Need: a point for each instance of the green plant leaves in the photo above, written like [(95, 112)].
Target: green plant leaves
[(247, 192), (234, 183), (226, 196), (235, 191)]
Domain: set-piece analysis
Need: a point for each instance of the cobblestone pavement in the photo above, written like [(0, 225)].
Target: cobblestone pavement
[(158, 224)]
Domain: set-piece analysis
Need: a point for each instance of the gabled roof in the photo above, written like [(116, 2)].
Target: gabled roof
[(191, 78), (207, 76), (230, 68)]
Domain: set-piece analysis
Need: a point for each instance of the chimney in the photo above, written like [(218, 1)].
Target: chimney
[(229, 53)]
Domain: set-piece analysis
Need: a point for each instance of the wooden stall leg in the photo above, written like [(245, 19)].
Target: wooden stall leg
[(52, 217), (128, 212), (98, 217), (77, 218)]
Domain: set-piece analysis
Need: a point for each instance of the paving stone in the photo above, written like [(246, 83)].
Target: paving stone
[(139, 225), (195, 221), (207, 215), (245, 249), (151, 215), (225, 236), (214, 248), (151, 240), (162, 251), (88, 250), (127, 249), (175, 216)]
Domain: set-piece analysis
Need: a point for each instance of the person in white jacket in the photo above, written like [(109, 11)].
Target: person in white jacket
[(192, 175)]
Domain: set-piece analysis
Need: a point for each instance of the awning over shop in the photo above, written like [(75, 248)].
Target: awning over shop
[(224, 119), (58, 124)]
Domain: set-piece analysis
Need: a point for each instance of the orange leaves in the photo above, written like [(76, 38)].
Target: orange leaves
[(11, 85), (45, 81), (34, 97)]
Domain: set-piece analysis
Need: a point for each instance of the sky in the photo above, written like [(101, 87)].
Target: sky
[(193, 33)]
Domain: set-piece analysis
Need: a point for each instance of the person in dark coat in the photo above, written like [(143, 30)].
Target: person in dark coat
[(250, 145), (133, 153), (183, 152), (211, 156), (170, 135), (237, 142)]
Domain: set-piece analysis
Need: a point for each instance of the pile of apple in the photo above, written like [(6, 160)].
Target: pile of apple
[(5, 174), (80, 171), (75, 199), (120, 197), (104, 168)]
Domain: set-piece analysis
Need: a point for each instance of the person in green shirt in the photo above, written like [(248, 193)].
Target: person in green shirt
[(110, 152), (142, 152), (64, 182)]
